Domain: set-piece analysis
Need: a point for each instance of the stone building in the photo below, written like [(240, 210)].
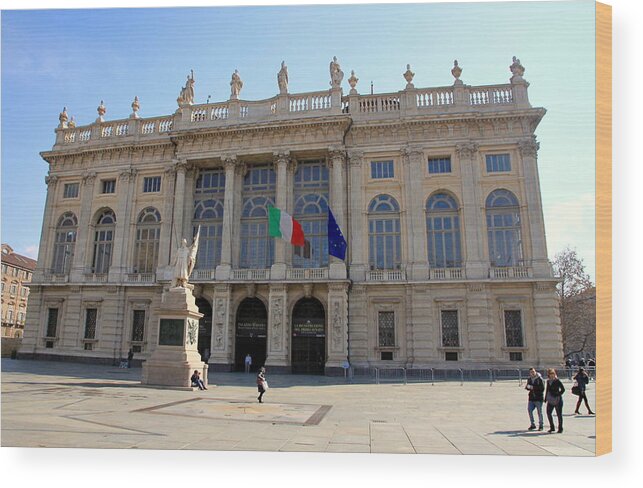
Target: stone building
[(17, 271), (435, 189)]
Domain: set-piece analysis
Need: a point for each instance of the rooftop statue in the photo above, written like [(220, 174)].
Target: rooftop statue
[(184, 261), (336, 74), (235, 85), (517, 69), (282, 78), (186, 97), (62, 118)]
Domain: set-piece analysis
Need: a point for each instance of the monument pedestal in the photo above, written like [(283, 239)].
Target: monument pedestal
[(176, 357)]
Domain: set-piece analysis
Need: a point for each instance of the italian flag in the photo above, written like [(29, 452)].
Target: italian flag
[(283, 225)]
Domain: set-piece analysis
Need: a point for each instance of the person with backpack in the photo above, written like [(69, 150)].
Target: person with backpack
[(554, 399), (582, 380), (536, 388)]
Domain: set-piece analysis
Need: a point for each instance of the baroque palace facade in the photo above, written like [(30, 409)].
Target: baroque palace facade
[(435, 189)]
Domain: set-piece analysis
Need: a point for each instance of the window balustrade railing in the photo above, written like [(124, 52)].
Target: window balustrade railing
[(510, 272), (385, 275), (250, 274), (307, 274), (140, 278), (202, 275), (446, 274)]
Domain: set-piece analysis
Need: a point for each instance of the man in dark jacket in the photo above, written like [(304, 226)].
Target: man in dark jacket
[(536, 388)]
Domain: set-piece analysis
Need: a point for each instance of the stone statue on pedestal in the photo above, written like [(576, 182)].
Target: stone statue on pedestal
[(235, 85), (282, 78), (186, 97), (336, 74), (184, 261)]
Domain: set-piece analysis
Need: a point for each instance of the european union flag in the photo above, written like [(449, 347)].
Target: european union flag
[(336, 241)]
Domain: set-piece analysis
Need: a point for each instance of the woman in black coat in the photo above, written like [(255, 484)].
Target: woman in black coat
[(554, 399), (582, 380)]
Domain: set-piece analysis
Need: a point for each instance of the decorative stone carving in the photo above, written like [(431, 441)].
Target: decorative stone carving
[(219, 320), (456, 71), (336, 156), (235, 85), (467, 150), (51, 180), (241, 169), (528, 148), (127, 174), (336, 73), (355, 158), (184, 261), (251, 290), (308, 290), (186, 97), (408, 76), (276, 323), (72, 122), (282, 79), (88, 177), (193, 331), (281, 157), (352, 81), (101, 112), (412, 154), (62, 118), (135, 108), (517, 70), (337, 326)]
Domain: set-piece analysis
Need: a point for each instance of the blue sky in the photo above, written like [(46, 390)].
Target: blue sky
[(76, 58)]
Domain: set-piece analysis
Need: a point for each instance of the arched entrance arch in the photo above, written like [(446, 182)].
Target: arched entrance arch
[(205, 328), (308, 337), (251, 329)]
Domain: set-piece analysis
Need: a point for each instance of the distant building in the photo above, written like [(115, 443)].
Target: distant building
[(435, 189), (17, 271)]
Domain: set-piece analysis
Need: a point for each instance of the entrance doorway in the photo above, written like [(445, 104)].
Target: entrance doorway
[(205, 328), (250, 336), (308, 337)]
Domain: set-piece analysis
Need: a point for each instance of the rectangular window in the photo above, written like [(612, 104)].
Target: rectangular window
[(23, 292), (90, 323), (10, 315), (450, 356), (52, 322), (386, 328), (151, 184), (4, 268), (515, 356), (21, 317), (138, 326), (89, 346), (13, 289), (70, 190), (382, 169), (513, 328), (450, 333), (386, 355), (3, 287), (109, 186), (439, 165), (498, 163)]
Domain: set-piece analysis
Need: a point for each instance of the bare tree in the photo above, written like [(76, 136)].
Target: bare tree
[(577, 303)]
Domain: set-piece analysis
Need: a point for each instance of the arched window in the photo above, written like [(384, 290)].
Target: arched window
[(65, 243), (443, 231), (311, 211), (257, 248), (209, 215), (503, 229), (148, 235), (103, 239), (384, 244)]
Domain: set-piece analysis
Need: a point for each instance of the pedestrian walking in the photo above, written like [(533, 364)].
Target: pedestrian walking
[(554, 399), (262, 384), (536, 388), (130, 356), (579, 388), (248, 362)]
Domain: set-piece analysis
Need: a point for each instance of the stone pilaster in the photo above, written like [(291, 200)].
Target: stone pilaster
[(165, 245), (281, 162), (188, 199), (221, 354), (223, 269), (178, 210), (549, 339), (45, 254), (417, 268), (123, 211), (82, 248), (278, 357), (337, 337), (358, 326), (337, 164), (478, 325), (529, 154), (357, 229), (476, 264), (421, 331), (240, 172)]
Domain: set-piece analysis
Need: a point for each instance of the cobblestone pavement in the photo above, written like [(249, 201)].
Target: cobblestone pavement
[(52, 404)]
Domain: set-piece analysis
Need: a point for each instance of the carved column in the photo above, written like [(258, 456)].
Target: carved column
[(221, 358), (357, 232), (281, 161), (278, 329), (290, 202), (45, 251), (165, 248), (476, 262), (180, 168), (337, 163), (240, 173), (529, 154), (123, 212), (337, 331), (83, 234), (223, 269), (417, 267)]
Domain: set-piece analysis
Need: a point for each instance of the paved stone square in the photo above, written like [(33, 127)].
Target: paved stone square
[(52, 404)]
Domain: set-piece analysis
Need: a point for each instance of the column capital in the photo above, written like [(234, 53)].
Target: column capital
[(182, 166), (88, 177), (241, 168), (467, 150), (529, 147), (229, 162), (51, 181), (127, 174), (411, 154), (336, 155), (355, 158), (281, 157)]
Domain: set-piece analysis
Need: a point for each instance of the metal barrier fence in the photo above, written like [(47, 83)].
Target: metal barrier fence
[(435, 375)]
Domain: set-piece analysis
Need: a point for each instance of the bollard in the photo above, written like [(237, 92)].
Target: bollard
[(432, 378), (461, 377), (490, 378), (405, 376), (377, 376)]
